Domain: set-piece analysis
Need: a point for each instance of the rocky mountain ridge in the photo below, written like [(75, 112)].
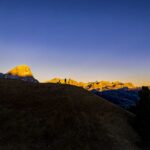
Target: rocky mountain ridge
[(23, 72), (98, 85)]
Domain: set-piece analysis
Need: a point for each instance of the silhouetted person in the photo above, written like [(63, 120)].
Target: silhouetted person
[(69, 81), (65, 80), (59, 82)]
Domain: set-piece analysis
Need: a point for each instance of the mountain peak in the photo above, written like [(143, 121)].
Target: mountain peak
[(21, 71)]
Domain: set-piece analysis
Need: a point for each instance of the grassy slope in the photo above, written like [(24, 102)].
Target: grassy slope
[(60, 117)]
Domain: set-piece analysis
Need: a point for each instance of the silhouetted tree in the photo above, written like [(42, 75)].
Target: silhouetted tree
[(143, 115)]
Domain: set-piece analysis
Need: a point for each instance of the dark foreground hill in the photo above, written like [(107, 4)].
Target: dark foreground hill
[(60, 117)]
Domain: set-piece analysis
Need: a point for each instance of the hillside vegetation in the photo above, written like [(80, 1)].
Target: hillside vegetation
[(61, 117)]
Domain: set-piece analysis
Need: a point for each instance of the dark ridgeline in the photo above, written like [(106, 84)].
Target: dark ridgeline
[(60, 117)]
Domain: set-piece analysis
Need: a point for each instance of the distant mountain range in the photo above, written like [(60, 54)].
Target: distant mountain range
[(23, 72), (122, 94), (98, 85)]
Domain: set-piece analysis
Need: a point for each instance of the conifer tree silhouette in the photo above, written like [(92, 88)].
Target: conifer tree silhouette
[(143, 115)]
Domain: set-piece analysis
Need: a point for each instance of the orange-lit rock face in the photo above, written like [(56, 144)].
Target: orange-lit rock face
[(102, 85), (21, 71)]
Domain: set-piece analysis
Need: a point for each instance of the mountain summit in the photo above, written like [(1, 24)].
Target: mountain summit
[(21, 71)]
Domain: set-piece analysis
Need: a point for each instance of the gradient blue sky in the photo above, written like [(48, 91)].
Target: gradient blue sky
[(86, 40)]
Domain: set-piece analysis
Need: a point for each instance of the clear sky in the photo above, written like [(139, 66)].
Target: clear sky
[(86, 40)]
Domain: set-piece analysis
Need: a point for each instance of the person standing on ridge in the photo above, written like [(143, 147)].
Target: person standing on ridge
[(65, 80)]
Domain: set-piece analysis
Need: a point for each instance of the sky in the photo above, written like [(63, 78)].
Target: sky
[(86, 40)]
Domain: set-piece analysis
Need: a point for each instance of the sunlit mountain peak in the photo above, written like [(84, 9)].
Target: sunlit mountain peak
[(21, 71)]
